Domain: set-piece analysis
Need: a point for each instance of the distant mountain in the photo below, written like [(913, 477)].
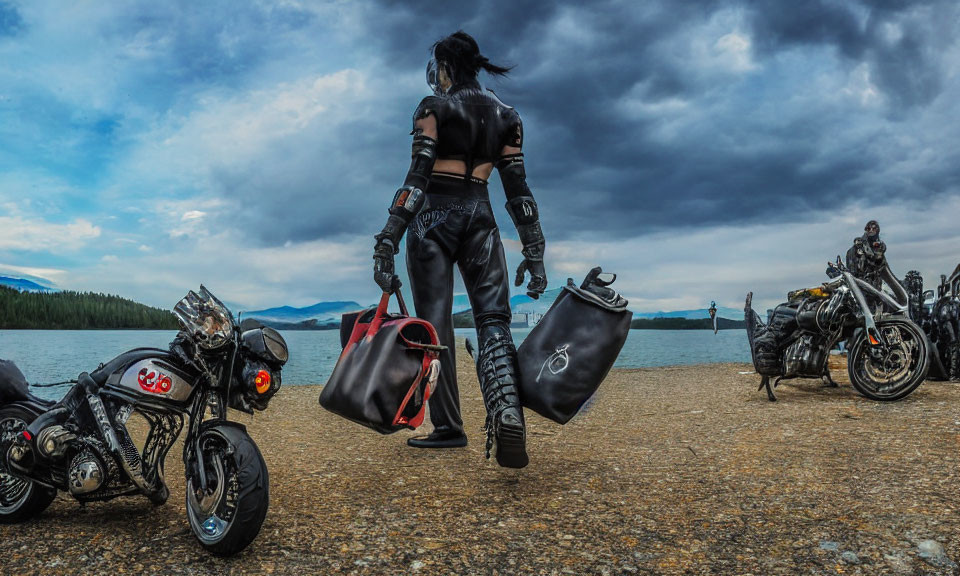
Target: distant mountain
[(305, 325), (461, 302), (518, 303), (323, 315), (523, 303), (321, 312), (24, 285)]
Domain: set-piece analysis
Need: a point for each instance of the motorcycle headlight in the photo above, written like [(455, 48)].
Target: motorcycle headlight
[(267, 344), (258, 384)]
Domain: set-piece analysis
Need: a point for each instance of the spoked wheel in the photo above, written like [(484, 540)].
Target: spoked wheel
[(892, 372), (19, 499), (227, 516)]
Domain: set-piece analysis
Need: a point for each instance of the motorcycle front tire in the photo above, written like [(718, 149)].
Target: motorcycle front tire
[(234, 462), (873, 390)]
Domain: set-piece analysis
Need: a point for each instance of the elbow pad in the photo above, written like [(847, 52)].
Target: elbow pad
[(409, 198), (513, 175), (526, 217), (423, 155), (406, 205)]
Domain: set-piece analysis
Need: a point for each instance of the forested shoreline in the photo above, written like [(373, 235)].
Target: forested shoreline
[(685, 324), (89, 311), (465, 320), (78, 311)]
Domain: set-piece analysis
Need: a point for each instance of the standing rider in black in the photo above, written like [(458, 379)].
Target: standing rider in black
[(867, 260), (459, 135)]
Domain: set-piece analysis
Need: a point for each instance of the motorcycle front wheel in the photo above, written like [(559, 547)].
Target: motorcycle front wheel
[(20, 499), (227, 516), (895, 371)]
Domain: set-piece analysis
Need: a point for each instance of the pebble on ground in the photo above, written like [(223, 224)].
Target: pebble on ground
[(677, 470)]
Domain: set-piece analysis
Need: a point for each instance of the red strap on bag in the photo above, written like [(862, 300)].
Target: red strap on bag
[(430, 367)]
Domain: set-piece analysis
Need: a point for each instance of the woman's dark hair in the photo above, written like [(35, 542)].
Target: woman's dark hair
[(461, 52)]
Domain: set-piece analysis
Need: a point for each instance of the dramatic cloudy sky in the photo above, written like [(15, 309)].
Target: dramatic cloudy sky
[(699, 149)]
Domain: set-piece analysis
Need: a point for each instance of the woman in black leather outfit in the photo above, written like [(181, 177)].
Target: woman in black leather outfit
[(459, 135)]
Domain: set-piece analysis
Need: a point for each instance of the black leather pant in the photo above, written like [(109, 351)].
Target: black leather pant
[(456, 226)]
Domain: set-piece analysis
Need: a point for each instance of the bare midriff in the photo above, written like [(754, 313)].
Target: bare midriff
[(459, 167)]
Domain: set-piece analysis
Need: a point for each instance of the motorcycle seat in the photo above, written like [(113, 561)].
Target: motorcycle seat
[(14, 387), (101, 374)]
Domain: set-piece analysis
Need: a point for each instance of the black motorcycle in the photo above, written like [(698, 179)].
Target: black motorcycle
[(81, 444), (938, 314), (886, 351)]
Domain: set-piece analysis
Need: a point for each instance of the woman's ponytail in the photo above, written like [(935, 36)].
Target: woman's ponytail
[(461, 51)]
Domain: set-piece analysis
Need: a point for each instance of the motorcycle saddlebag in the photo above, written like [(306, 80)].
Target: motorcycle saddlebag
[(13, 386), (570, 351), (387, 370)]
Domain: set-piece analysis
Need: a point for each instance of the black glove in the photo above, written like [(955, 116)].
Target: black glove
[(406, 205), (523, 211), (533, 263), (383, 267)]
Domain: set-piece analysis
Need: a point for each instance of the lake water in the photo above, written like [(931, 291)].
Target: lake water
[(57, 355)]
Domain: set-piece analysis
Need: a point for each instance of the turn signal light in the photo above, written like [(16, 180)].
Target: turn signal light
[(874, 341), (262, 381)]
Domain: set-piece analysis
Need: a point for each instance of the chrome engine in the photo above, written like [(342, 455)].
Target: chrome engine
[(86, 473), (806, 357), (53, 441)]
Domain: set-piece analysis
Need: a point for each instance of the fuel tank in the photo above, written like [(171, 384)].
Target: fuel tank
[(148, 375)]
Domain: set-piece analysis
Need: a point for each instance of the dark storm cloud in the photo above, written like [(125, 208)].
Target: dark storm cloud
[(691, 142), (903, 41), (597, 167), (639, 116)]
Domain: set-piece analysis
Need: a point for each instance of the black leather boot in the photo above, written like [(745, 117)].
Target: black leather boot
[(497, 372), (441, 437)]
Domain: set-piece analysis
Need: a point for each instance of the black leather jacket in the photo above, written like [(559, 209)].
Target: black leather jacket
[(867, 260), (473, 125)]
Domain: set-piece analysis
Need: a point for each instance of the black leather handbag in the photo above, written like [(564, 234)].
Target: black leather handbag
[(387, 370), (570, 351)]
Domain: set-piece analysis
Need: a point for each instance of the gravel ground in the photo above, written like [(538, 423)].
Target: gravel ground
[(678, 470)]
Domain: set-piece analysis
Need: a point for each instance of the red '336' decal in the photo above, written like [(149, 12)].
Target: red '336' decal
[(154, 382)]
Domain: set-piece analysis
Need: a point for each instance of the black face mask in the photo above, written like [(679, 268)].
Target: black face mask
[(872, 233)]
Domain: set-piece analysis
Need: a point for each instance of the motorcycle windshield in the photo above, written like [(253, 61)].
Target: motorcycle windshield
[(205, 317)]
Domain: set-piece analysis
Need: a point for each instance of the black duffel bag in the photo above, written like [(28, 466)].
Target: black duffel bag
[(570, 351), (387, 370)]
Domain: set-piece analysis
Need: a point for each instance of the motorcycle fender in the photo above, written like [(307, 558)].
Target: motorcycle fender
[(233, 432), (241, 446), (32, 407)]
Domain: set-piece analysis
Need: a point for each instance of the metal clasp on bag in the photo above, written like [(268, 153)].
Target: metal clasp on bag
[(432, 374)]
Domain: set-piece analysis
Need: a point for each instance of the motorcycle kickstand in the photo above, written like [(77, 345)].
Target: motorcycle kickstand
[(828, 381), (765, 382)]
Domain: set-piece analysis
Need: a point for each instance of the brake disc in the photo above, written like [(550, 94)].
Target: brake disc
[(894, 363)]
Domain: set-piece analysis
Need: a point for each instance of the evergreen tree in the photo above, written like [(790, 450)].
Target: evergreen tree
[(78, 311)]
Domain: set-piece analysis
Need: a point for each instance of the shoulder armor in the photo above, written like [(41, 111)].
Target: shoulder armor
[(428, 106), (514, 132), (493, 95)]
